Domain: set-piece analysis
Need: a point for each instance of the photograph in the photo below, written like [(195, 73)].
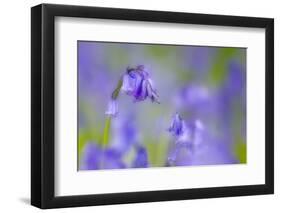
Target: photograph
[(160, 105), (138, 105)]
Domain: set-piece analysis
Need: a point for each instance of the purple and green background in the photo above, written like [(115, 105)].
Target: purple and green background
[(200, 88)]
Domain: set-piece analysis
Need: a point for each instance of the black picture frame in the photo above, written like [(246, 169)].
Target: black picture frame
[(43, 105)]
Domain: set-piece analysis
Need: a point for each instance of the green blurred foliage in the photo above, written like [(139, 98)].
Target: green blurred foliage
[(218, 71), (90, 135), (157, 150), (106, 132), (240, 150)]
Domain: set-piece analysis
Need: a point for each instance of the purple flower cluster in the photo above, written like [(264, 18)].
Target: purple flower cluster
[(194, 145), (94, 157), (125, 139)]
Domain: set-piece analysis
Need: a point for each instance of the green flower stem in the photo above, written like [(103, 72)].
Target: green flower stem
[(107, 124), (116, 92), (106, 131)]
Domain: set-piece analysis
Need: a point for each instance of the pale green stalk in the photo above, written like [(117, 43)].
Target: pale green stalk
[(107, 124)]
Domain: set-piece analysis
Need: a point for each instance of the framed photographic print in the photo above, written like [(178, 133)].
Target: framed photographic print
[(139, 106)]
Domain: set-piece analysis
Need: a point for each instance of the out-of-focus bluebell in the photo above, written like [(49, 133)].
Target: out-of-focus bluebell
[(141, 159), (236, 79), (199, 147), (199, 60), (186, 132), (125, 133), (195, 98), (211, 153), (112, 108), (91, 69), (187, 137), (95, 157), (177, 126), (229, 98), (213, 106), (137, 83)]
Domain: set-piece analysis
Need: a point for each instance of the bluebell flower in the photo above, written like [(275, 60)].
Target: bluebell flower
[(112, 108), (94, 157), (187, 137), (141, 160), (177, 126), (137, 83), (183, 132), (125, 133)]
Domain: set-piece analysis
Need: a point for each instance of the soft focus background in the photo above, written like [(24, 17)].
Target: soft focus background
[(206, 85)]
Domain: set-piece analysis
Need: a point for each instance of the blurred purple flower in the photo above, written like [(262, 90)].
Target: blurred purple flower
[(96, 158), (177, 126), (194, 97), (125, 133), (236, 80), (211, 153), (185, 133), (112, 108), (213, 106), (187, 136), (199, 59), (141, 160), (136, 83), (195, 146)]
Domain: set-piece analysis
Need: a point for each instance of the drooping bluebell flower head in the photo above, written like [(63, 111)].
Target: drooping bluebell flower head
[(112, 108), (137, 83), (141, 159)]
